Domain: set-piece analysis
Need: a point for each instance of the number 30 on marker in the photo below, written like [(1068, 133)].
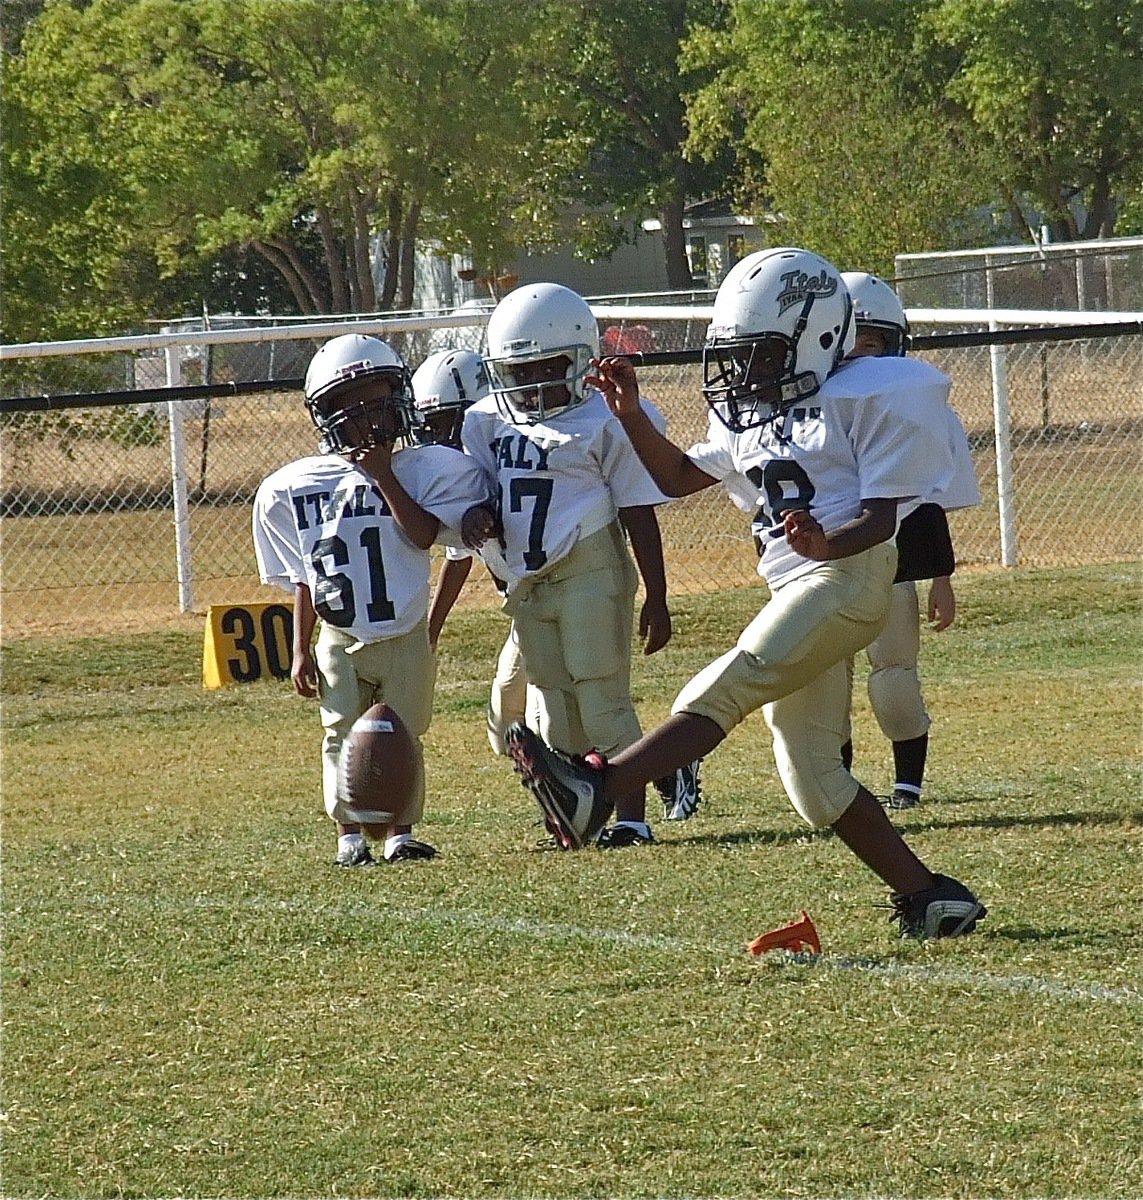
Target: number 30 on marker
[(245, 642)]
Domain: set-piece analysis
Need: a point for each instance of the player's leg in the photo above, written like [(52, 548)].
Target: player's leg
[(575, 628), (508, 700), (808, 726), (809, 624), (596, 623), (895, 694), (552, 711), (402, 672), (343, 697), (554, 714)]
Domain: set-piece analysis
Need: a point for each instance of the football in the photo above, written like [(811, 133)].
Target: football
[(377, 768)]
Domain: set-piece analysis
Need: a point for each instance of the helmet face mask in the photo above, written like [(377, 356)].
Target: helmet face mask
[(359, 395), (782, 324), (750, 380), (877, 309), (536, 389), (541, 340), (445, 386)]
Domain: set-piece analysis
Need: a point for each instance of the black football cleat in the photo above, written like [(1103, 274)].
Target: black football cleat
[(681, 792), (568, 790), (901, 799), (947, 909), (619, 837), (412, 851)]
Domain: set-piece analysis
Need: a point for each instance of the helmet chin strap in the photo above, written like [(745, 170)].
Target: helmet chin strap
[(799, 387)]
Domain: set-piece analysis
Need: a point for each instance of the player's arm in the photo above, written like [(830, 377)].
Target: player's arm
[(642, 527), (303, 671), (416, 523), (877, 523), (450, 581), (478, 525), (942, 603), (673, 472)]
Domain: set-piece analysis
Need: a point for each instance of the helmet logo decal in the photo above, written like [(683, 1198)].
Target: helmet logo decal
[(797, 286), (352, 368)]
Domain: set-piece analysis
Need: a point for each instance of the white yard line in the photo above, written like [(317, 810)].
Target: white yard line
[(1050, 987)]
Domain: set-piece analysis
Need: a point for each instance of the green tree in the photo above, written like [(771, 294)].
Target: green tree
[(1057, 88), (160, 140), (840, 101), (616, 110)]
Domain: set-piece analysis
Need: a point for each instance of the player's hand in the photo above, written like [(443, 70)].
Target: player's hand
[(615, 378), (805, 535), (303, 672), (654, 625), (477, 526), (942, 603), (378, 460)]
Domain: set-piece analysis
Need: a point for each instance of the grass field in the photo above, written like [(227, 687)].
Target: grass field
[(197, 1004)]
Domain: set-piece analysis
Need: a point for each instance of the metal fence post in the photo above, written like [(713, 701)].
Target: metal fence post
[(1002, 435), (179, 481)]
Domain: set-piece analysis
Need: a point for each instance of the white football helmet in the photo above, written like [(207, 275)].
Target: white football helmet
[(342, 395), (536, 326), (782, 324), (875, 304), (444, 386)]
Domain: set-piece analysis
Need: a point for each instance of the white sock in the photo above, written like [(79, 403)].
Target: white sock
[(398, 839), (911, 788), (640, 827), (348, 841)]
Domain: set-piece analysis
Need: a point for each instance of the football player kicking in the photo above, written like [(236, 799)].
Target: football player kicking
[(348, 531), (837, 453), (568, 484), (924, 551)]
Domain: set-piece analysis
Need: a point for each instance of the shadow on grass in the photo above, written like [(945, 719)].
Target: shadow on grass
[(747, 837), (1073, 937), (1009, 821)]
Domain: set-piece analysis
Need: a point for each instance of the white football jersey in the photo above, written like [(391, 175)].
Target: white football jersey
[(876, 430), (962, 490), (322, 521), (555, 482)]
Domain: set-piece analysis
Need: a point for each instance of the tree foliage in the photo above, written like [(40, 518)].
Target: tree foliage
[(617, 108), (289, 154), (1057, 89), (929, 124), (863, 158), (170, 134)]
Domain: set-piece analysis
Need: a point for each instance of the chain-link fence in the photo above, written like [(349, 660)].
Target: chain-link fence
[(119, 516), (1093, 276)]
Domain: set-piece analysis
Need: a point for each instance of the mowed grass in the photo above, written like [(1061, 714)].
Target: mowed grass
[(197, 1003)]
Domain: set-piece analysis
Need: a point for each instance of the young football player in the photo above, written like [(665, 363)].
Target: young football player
[(445, 385), (924, 551), (568, 485), (837, 452), (348, 531)]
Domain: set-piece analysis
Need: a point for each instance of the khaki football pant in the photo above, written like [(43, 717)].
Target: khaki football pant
[(792, 662), (574, 625), (894, 683), (353, 676), (511, 698)]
